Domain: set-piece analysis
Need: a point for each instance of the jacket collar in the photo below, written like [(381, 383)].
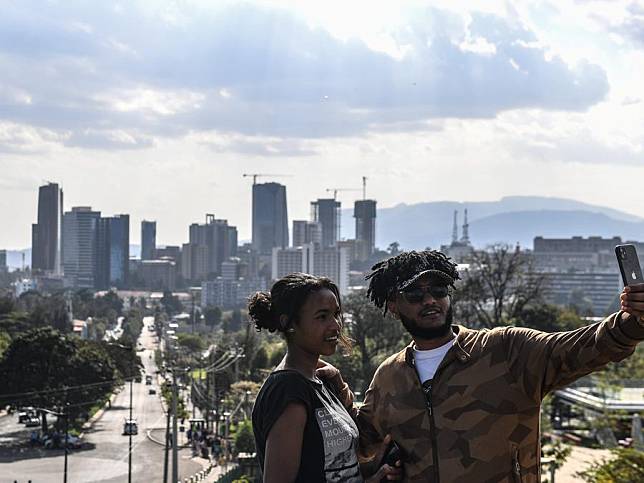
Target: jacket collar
[(457, 351)]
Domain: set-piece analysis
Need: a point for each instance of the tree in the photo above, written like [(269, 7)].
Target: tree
[(171, 303), (375, 336), (244, 440), (235, 320), (500, 283), (191, 342), (44, 368), (125, 359), (393, 249), (626, 466), (212, 315), (548, 318)]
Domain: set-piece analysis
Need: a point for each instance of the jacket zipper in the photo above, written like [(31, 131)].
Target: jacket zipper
[(432, 425)]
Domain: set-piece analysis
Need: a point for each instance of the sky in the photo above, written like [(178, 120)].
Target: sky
[(157, 109)]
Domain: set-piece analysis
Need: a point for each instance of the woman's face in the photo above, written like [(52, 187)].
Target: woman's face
[(319, 325)]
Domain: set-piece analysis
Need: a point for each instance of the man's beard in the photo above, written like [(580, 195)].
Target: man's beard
[(428, 333)]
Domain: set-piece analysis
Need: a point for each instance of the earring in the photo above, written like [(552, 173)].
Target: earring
[(290, 330)]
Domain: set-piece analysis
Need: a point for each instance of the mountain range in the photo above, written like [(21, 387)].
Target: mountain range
[(512, 219)]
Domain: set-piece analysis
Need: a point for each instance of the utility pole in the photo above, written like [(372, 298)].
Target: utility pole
[(129, 453), (167, 446), (175, 460), (66, 442)]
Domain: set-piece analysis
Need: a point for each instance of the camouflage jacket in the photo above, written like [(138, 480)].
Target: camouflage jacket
[(480, 422)]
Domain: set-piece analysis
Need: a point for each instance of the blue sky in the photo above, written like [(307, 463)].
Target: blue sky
[(157, 108)]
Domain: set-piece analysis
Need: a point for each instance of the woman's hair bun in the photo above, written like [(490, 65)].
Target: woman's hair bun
[(259, 310)]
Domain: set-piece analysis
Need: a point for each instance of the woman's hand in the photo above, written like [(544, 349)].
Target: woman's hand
[(332, 376), (385, 472)]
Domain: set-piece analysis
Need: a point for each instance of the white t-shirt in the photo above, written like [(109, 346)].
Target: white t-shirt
[(428, 361)]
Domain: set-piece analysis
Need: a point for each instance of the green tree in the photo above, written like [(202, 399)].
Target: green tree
[(5, 341), (244, 440), (548, 318), (47, 369), (171, 303), (393, 249), (626, 466), (374, 336), (191, 342), (212, 316), (260, 360), (235, 320)]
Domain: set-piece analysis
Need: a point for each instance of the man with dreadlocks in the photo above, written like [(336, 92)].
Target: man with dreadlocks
[(462, 404)]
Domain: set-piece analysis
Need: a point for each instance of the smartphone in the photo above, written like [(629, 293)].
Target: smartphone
[(629, 264), (392, 454)]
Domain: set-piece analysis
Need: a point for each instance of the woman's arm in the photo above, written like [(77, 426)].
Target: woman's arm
[(284, 445)]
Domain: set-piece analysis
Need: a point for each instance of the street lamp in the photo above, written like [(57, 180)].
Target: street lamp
[(129, 426)]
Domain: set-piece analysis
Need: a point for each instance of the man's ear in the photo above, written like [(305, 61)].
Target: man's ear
[(392, 307), (284, 321)]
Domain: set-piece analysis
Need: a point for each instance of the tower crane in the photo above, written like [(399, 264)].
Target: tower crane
[(264, 175), (336, 190)]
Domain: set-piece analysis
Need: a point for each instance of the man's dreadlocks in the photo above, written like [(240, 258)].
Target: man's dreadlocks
[(386, 276)]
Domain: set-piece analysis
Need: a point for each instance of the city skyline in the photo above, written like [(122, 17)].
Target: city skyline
[(466, 101)]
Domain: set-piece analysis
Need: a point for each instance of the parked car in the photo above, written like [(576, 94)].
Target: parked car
[(32, 421), (148, 380), (152, 391), (130, 427), (72, 442), (25, 413)]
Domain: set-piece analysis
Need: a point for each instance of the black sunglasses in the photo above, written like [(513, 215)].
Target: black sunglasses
[(416, 295)]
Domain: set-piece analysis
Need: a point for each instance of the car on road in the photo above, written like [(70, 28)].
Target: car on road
[(130, 427), (32, 421), (148, 380), (152, 391)]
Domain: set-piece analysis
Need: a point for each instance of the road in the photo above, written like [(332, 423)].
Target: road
[(104, 456)]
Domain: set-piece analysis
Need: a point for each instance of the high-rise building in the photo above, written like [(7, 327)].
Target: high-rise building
[(324, 262), (270, 217), (576, 254), (326, 212), (209, 245), (364, 211), (158, 274), (112, 252), (290, 260), (80, 243), (334, 264), (306, 232), (148, 239), (46, 233)]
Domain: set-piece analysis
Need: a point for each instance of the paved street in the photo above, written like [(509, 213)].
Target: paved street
[(104, 456)]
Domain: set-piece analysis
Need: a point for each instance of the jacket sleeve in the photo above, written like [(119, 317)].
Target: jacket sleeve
[(542, 362), (367, 418)]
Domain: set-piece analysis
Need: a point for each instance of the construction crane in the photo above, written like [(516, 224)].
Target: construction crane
[(364, 187), (264, 175), (336, 190)]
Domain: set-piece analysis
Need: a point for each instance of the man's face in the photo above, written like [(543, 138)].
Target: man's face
[(424, 308)]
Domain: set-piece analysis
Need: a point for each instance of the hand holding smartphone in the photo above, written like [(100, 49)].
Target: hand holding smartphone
[(632, 298), (629, 264)]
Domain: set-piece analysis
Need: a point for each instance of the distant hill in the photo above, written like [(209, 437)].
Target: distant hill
[(511, 219), (14, 257)]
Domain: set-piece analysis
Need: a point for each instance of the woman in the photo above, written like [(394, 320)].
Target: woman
[(302, 431)]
